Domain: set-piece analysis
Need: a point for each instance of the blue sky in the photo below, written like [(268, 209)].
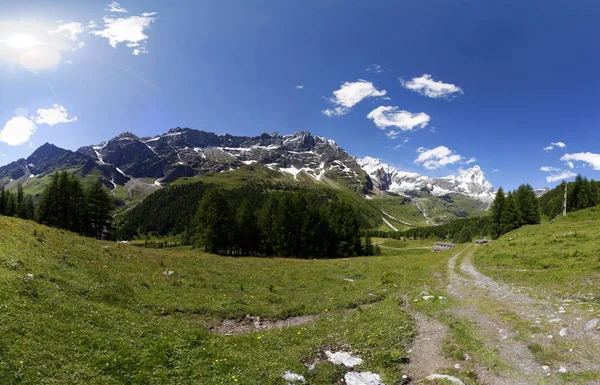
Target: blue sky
[(507, 78)]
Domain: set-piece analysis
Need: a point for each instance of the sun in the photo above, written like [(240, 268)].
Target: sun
[(21, 41)]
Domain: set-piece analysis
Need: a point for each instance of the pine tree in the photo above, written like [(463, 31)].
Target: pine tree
[(11, 204), (28, 210), (527, 205), (496, 212), (3, 201), (584, 194), (20, 199), (97, 213), (510, 217), (248, 229), (212, 222)]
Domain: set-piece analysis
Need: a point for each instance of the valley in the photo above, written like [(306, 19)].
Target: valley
[(135, 314)]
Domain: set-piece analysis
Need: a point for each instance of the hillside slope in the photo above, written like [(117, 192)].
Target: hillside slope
[(77, 310), (559, 256)]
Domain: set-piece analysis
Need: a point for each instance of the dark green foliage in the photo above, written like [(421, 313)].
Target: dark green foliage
[(510, 217), (581, 193), (65, 204), (99, 207), (459, 230), (292, 224), (496, 212), (507, 212), (167, 211), (19, 204), (528, 205)]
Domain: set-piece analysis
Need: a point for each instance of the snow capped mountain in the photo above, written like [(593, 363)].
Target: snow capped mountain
[(185, 152), (540, 191), (470, 182)]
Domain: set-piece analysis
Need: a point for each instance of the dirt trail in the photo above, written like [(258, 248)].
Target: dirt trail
[(426, 357), (550, 323), (497, 335)]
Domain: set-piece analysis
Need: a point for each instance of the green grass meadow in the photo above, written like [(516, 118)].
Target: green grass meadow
[(561, 256), (104, 313)]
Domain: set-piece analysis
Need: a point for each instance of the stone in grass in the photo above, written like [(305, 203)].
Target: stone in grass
[(446, 377), (293, 377), (343, 358), (590, 324), (563, 332), (562, 369), (362, 378), (428, 297), (29, 276), (168, 272)]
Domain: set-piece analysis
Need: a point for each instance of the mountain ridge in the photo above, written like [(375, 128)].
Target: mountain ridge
[(133, 167), (470, 182)]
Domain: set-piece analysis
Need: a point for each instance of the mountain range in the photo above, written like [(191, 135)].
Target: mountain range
[(128, 163)]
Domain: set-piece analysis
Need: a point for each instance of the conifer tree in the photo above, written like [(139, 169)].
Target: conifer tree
[(97, 214), (496, 212)]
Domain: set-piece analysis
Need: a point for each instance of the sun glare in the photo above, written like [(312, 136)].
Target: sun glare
[(21, 41)]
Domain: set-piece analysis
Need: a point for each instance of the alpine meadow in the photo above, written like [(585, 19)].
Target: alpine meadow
[(286, 193)]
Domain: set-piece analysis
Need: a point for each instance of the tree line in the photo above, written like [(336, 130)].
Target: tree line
[(16, 204), (507, 212), (513, 210), (297, 224), (64, 203), (581, 193), (459, 230)]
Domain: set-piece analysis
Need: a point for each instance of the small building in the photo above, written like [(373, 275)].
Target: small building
[(441, 246), (482, 240)]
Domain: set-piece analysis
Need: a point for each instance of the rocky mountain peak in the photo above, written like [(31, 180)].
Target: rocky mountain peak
[(470, 182)]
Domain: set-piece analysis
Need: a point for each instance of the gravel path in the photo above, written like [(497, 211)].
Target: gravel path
[(553, 324), (426, 356)]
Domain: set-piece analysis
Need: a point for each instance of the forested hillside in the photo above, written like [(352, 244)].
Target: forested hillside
[(507, 212), (253, 219), (581, 193)]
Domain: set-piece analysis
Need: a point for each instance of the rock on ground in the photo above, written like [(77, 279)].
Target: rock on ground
[(343, 358), (362, 378)]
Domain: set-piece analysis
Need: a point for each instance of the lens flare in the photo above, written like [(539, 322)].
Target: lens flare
[(21, 41)]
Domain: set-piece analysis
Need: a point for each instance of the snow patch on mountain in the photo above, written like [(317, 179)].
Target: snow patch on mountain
[(470, 182)]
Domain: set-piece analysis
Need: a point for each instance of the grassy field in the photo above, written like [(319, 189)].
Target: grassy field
[(561, 256), (77, 310)]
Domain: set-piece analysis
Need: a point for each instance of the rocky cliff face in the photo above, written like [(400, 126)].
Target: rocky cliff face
[(470, 182), (184, 152), (187, 152), (49, 158)]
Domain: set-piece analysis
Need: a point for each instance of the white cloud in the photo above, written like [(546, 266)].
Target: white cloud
[(586, 157), (436, 157), (397, 146), (115, 7), (406, 140), (549, 169), (471, 160), (128, 30), (350, 94), (17, 131), (563, 175), (393, 134), (300, 87), (388, 116), (70, 30), (51, 116), (553, 145), (570, 164), (426, 86), (375, 68), (495, 170)]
